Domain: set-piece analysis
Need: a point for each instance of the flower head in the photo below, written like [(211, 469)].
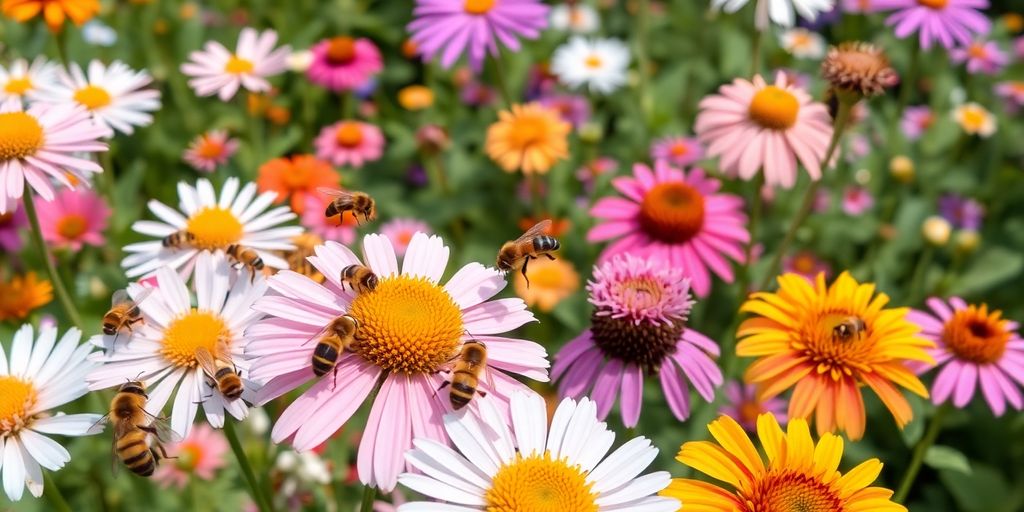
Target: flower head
[(578, 18), (416, 97), (551, 282), (981, 57), (74, 218), (215, 70), (961, 212), (975, 119), (351, 143), (296, 177), (802, 43), (344, 63), (27, 81), (530, 138), (54, 12), (806, 264), (857, 200), (573, 108), (599, 64), (779, 12), (948, 22), (916, 120), (11, 224), (210, 150), (744, 406), (201, 454), (401, 231), (858, 67), (114, 95), (20, 295), (1011, 91), (679, 151)]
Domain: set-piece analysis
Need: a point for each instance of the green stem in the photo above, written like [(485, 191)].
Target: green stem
[(58, 286), (917, 291), (263, 502), (756, 207), (499, 76), (53, 494), (919, 452), (62, 50), (536, 201), (909, 81), (643, 16), (755, 52), (369, 495)]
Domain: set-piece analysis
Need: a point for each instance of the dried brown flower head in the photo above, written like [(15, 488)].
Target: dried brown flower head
[(858, 67)]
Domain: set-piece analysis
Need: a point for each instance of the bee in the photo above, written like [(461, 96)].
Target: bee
[(221, 371), (518, 253), (847, 328), (179, 239), (138, 435), (359, 203), (124, 312), (469, 364), (335, 338), (247, 258), (360, 278)]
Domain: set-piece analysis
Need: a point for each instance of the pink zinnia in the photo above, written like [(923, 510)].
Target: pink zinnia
[(215, 70), (344, 64), (755, 126), (678, 150), (451, 28), (973, 346), (949, 22), (74, 218), (350, 143), (981, 57), (675, 216), (200, 454), (638, 328), (210, 150), (744, 406), (401, 231), (11, 224), (857, 200), (916, 120), (410, 326), (340, 228)]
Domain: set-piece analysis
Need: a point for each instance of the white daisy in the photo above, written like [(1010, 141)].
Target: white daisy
[(600, 64), (27, 81), (578, 18), (215, 70), (38, 377), (113, 94), (778, 11), (532, 468), (161, 351), (802, 43), (236, 218)]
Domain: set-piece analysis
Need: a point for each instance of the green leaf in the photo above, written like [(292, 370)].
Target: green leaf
[(983, 490), (991, 268), (947, 458)]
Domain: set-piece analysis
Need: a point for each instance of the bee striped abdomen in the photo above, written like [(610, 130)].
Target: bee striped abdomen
[(135, 453), (461, 392), (324, 357), (545, 243)]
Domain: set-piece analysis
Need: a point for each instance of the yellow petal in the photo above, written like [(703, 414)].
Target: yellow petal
[(732, 437)]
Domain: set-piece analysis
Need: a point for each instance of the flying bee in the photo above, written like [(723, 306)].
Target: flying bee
[(124, 312), (847, 328), (247, 258), (335, 338), (179, 239), (518, 253), (359, 203), (360, 278), (138, 435), (221, 371), (469, 365)]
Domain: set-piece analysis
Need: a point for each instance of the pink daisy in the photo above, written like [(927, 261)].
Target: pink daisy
[(1011, 91), (755, 126), (344, 64), (74, 218), (677, 150), (410, 327), (42, 143), (11, 224), (675, 216), (215, 70), (916, 120), (857, 200), (340, 228), (981, 57), (201, 454), (451, 28), (638, 328), (401, 231), (949, 22), (210, 150), (805, 264), (743, 405), (972, 345), (350, 143)]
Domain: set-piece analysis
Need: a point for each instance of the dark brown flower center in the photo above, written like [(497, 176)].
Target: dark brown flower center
[(646, 344)]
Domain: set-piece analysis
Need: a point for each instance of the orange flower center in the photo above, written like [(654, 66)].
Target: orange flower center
[(527, 130), (831, 354), (974, 119), (541, 484), (593, 61), (237, 65), (210, 148), (341, 50), (790, 491), (20, 135), (774, 107), (933, 4), (6, 218), (17, 398), (296, 177), (92, 97), (977, 51), (478, 7), (679, 149), (72, 226), (976, 335), (188, 457), (404, 238), (804, 263), (349, 134), (18, 86), (672, 212)]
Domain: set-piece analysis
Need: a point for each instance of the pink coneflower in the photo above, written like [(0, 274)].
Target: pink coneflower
[(215, 70), (744, 406), (676, 216), (678, 150), (40, 144), (200, 454), (344, 63), (350, 143), (755, 126), (973, 345), (857, 200), (401, 231), (210, 150), (573, 108), (1011, 91), (949, 22), (451, 28), (410, 326), (916, 120), (805, 264), (638, 328), (340, 228), (981, 57), (11, 224), (74, 218)]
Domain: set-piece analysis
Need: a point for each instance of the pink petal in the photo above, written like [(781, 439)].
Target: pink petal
[(632, 394)]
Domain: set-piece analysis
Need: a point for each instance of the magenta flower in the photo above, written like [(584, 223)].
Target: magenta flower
[(11, 224), (340, 228), (949, 22), (857, 200), (1011, 91), (451, 28), (573, 108), (410, 326), (961, 212), (916, 120), (981, 57), (744, 406), (973, 346), (74, 218), (350, 143), (677, 150), (201, 454), (401, 231), (638, 328), (675, 216), (344, 64), (210, 150), (859, 6)]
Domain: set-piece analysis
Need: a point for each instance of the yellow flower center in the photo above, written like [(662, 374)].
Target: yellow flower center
[(20, 135), (975, 335), (237, 65), (349, 134), (672, 212), (593, 61), (407, 324), (72, 226), (17, 398), (973, 119), (792, 492), (679, 149), (189, 332), (188, 457), (18, 86), (527, 130), (478, 7), (540, 484), (341, 50), (832, 354), (92, 97), (214, 228), (774, 107), (933, 4)]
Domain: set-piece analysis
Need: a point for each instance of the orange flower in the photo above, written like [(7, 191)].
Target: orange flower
[(530, 138), (415, 97), (296, 176), (557, 228), (22, 294), (551, 281), (54, 11)]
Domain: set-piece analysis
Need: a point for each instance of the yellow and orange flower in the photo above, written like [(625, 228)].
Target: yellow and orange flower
[(551, 281), (23, 294), (54, 11), (415, 97), (297, 177), (796, 336), (799, 474), (530, 138)]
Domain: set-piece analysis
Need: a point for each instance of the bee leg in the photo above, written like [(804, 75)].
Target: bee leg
[(446, 383), (335, 372), (525, 263), (481, 392), (550, 257), (163, 452)]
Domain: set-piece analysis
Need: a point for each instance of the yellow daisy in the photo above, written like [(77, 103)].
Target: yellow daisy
[(53, 11), (530, 138)]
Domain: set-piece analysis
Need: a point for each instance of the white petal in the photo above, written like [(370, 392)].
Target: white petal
[(14, 470), (639, 488), (66, 424), (439, 490), (529, 420), (49, 453), (21, 350), (623, 464)]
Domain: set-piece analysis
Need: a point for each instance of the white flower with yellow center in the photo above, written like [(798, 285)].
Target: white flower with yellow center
[(114, 95), (975, 119), (532, 467), (34, 378), (780, 12), (580, 18), (27, 81), (237, 217), (161, 351), (802, 43), (600, 64), (215, 70)]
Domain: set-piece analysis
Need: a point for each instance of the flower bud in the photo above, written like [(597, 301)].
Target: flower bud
[(936, 230), (902, 168), (967, 240)]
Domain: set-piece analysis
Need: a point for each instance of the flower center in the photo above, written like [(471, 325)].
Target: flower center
[(639, 294), (749, 410), (593, 61), (679, 149), (210, 149), (478, 7), (405, 237), (72, 226), (540, 484), (792, 492), (933, 4), (20, 135), (834, 355), (672, 212), (92, 97), (976, 335), (237, 65), (643, 342), (17, 398), (188, 457), (977, 51), (407, 324), (973, 118), (214, 228), (341, 50), (6, 218), (18, 86), (296, 177), (349, 134), (804, 263), (189, 332), (526, 131), (305, 244), (775, 108)]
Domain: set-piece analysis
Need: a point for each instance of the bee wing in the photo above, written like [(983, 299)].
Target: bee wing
[(339, 194), (537, 229), (205, 360), (162, 429), (99, 426), (317, 335), (120, 297)]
